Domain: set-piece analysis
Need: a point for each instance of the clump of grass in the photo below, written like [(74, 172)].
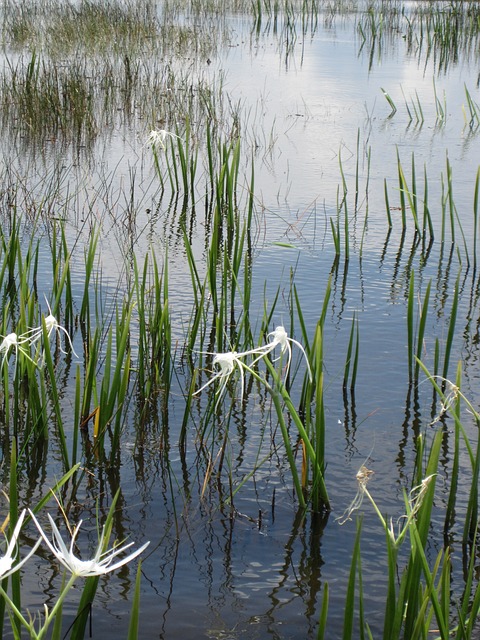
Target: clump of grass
[(436, 31), (450, 395), (418, 596), (65, 27), (49, 101), (311, 432), (415, 113), (154, 355)]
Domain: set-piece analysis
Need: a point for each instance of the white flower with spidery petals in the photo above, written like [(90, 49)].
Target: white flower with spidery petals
[(231, 360), (13, 342), (101, 563), (7, 566), (280, 339), (158, 138), (51, 325), (227, 363)]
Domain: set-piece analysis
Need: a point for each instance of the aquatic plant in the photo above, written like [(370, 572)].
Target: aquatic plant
[(8, 564), (226, 364), (135, 398), (230, 361), (100, 564), (420, 592)]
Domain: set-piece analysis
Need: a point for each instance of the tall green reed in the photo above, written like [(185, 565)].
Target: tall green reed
[(228, 248), (416, 342), (114, 388), (450, 395), (310, 486), (351, 359), (419, 592), (344, 205), (409, 194), (349, 609), (154, 357)]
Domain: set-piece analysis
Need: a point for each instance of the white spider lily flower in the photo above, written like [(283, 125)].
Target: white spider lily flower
[(13, 342), (101, 563), (51, 325), (227, 363), (280, 339), (7, 566), (158, 138)]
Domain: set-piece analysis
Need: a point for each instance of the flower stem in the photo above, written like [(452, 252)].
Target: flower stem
[(51, 614), (18, 614)]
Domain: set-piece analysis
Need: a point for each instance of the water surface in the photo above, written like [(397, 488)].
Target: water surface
[(309, 107)]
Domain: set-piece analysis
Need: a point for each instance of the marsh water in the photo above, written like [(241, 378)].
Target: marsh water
[(326, 108)]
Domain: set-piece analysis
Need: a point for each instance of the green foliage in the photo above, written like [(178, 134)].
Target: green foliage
[(141, 359)]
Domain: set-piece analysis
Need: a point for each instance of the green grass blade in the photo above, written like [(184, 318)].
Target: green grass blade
[(135, 614), (349, 611), (322, 624)]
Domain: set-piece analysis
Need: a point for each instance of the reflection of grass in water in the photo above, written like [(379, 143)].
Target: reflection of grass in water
[(113, 27), (64, 26), (130, 366), (45, 100), (431, 30)]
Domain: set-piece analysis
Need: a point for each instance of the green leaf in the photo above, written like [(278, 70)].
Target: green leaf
[(133, 627)]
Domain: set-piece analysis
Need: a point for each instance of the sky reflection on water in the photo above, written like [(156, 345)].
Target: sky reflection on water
[(257, 570)]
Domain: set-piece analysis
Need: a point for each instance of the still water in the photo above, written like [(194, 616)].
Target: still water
[(311, 107)]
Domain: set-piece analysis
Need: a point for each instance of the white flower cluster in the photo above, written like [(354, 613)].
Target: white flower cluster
[(22, 343), (231, 360)]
